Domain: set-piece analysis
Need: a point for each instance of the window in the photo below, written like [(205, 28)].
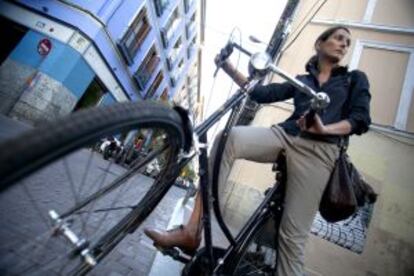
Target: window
[(192, 47), (154, 86), (190, 29), (147, 67), (170, 28), (188, 4), (160, 6), (175, 76), (14, 34), (164, 95), (92, 95), (396, 63), (172, 58), (135, 36)]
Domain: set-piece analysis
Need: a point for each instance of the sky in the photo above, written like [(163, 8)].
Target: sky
[(241, 18)]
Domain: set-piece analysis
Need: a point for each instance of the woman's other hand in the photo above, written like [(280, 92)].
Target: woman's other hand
[(317, 127)]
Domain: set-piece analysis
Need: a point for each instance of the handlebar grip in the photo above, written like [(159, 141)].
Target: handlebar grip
[(224, 54), (215, 72), (310, 118)]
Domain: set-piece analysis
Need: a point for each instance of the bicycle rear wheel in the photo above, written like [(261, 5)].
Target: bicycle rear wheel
[(259, 256), (63, 208)]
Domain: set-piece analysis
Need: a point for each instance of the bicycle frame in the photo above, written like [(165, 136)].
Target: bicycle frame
[(266, 209), (262, 213)]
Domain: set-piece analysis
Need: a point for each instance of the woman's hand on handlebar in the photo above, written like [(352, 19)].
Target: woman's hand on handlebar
[(218, 61), (230, 70), (317, 127)]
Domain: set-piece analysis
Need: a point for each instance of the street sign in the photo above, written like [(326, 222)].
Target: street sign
[(44, 46)]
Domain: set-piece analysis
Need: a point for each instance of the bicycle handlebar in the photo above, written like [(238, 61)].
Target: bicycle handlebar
[(226, 52), (263, 64)]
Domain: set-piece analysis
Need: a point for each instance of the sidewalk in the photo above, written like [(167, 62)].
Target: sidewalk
[(10, 127), (165, 265)]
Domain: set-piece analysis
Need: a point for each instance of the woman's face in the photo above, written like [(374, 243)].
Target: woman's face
[(335, 47)]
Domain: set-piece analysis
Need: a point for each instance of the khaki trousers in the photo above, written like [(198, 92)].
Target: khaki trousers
[(309, 164)]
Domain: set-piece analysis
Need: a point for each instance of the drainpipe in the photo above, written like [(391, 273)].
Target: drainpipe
[(282, 29)]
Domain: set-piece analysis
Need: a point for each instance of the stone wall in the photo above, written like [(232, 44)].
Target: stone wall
[(32, 96)]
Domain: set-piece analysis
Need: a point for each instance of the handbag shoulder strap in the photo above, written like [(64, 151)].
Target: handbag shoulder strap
[(344, 141)]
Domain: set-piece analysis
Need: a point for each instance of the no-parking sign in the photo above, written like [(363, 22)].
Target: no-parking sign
[(44, 46)]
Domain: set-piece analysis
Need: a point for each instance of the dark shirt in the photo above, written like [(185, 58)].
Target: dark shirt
[(348, 91)]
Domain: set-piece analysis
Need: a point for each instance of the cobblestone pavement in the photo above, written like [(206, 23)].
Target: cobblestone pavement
[(133, 256)]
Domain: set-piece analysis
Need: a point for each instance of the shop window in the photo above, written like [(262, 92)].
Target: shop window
[(135, 36), (12, 34), (92, 96)]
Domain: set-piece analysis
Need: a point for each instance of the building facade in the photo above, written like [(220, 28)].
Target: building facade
[(382, 46), (60, 56)]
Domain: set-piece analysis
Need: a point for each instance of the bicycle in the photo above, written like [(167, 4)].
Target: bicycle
[(72, 235)]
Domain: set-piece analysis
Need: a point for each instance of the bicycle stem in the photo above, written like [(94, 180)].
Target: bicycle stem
[(241, 49), (296, 83)]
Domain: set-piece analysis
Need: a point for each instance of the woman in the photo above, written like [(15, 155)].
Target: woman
[(311, 152)]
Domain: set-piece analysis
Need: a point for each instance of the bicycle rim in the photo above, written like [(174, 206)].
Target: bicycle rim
[(65, 207)]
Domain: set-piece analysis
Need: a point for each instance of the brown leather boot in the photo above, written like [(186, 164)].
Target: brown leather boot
[(177, 237)]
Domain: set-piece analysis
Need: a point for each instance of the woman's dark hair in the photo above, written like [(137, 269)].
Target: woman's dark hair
[(324, 36), (327, 33)]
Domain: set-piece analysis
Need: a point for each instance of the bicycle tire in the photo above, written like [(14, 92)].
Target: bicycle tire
[(32, 151)]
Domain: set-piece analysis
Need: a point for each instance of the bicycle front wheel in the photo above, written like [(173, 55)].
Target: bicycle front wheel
[(63, 207)]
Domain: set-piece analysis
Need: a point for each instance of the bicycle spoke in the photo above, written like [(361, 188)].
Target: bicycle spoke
[(22, 252), (87, 169), (73, 188), (95, 201), (36, 206), (112, 205), (36, 254)]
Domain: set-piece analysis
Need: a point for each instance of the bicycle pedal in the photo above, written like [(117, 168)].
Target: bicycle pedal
[(173, 253)]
